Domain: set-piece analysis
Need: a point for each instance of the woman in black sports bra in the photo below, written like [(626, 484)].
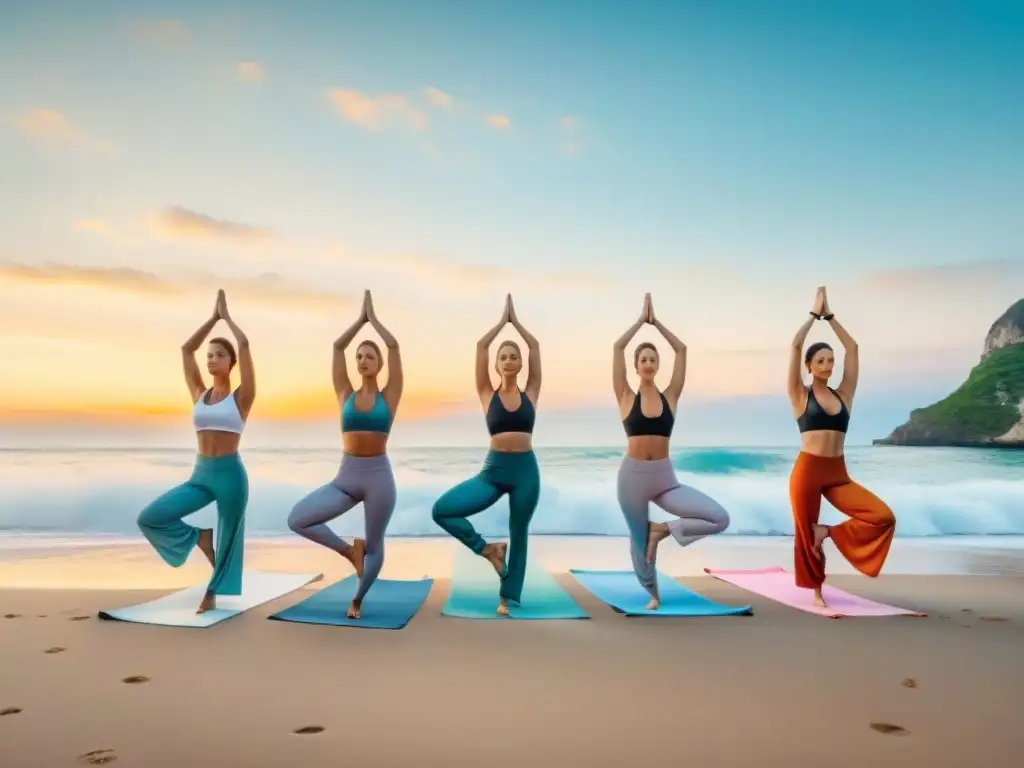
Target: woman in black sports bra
[(646, 473), (823, 415), (510, 467)]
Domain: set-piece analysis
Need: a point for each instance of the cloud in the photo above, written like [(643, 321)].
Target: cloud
[(377, 112), (178, 223), (269, 289), (962, 275), (437, 97), (498, 122), (167, 33), (251, 71), (49, 126)]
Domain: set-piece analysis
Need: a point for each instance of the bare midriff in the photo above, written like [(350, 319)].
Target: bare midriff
[(364, 444), (211, 444), (512, 442), (647, 447), (823, 442)]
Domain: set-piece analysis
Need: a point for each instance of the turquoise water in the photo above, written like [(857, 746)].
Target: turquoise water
[(933, 491)]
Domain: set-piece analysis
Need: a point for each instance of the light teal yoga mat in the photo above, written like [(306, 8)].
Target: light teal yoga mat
[(620, 590), (474, 593)]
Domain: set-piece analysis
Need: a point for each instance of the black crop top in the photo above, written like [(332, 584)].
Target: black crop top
[(816, 418), (500, 419), (637, 424)]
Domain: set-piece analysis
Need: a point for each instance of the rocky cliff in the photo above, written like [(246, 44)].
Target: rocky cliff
[(988, 408)]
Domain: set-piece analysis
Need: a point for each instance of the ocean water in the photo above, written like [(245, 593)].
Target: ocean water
[(98, 492)]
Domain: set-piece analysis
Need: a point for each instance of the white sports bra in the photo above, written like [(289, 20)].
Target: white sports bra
[(222, 416)]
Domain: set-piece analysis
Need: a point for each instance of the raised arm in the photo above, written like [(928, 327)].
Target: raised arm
[(193, 377), (795, 377), (339, 368), (851, 361), (534, 381), (620, 384), (245, 395), (675, 385), (396, 380), (484, 387)]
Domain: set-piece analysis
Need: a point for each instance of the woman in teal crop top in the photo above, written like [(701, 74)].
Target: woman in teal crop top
[(365, 474)]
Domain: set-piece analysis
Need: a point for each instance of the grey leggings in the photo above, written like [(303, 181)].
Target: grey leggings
[(366, 479), (641, 482)]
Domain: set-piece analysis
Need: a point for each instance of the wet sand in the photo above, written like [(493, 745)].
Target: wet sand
[(781, 687)]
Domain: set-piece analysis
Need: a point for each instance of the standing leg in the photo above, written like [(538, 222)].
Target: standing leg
[(161, 522), (805, 499), (698, 516), (468, 498), (231, 487), (633, 500), (309, 518), (865, 538), (378, 506), (522, 503)]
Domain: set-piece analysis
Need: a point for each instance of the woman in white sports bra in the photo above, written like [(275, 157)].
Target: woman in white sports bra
[(219, 416)]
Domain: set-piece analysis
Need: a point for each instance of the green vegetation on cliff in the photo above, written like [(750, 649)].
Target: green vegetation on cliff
[(981, 409)]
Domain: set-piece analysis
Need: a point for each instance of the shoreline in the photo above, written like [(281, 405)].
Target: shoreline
[(40, 563)]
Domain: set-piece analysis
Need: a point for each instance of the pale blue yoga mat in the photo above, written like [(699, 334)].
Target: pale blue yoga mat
[(388, 605), (622, 591), (474, 593), (178, 609)]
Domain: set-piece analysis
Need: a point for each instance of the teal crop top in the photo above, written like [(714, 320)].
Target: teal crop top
[(377, 419)]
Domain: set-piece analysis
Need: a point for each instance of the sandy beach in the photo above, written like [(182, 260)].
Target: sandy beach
[(775, 688)]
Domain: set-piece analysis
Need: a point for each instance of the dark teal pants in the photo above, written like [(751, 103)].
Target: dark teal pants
[(220, 479), (516, 474)]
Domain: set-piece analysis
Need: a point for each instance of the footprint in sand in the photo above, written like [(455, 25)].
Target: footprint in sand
[(889, 729), (12, 615), (135, 679), (993, 618), (10, 711), (909, 682), (55, 649), (309, 729), (98, 757), (80, 618)]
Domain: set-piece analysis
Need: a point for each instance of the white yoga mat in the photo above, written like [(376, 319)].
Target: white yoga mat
[(178, 609)]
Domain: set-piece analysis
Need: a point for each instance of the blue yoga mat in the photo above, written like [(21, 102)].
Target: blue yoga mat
[(388, 605), (621, 591), (474, 593)]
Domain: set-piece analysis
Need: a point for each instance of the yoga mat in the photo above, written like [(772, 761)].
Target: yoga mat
[(388, 605), (178, 609), (777, 584), (621, 591), (474, 593)]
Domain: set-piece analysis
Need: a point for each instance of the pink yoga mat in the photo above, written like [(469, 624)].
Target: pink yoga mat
[(777, 583)]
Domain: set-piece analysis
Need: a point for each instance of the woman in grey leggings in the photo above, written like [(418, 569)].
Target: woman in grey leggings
[(646, 473), (365, 475)]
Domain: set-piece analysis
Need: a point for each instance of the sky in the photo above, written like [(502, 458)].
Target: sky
[(726, 156)]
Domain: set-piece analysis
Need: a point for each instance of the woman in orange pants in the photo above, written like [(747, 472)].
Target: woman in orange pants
[(823, 415)]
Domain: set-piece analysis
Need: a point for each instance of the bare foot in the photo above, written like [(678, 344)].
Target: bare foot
[(354, 610), (208, 604), (356, 554), (654, 605), (821, 532), (206, 544), (656, 533), (495, 555), (819, 601), (503, 607)]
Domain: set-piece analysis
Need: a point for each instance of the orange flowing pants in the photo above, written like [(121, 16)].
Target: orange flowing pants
[(864, 539)]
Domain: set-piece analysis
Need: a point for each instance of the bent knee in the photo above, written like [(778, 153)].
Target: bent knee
[(721, 519), (296, 523), (886, 518)]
